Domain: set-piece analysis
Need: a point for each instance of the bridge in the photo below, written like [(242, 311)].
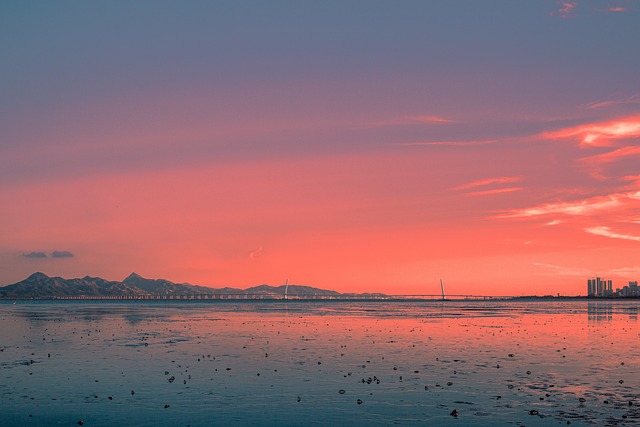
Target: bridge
[(275, 297)]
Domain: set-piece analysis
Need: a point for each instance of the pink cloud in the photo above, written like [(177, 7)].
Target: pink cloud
[(585, 207), (490, 182), (617, 208), (256, 253), (409, 120), (429, 119), (607, 232), (563, 270), (614, 156), (495, 191), (633, 179), (599, 134), (449, 143), (633, 99), (484, 182), (567, 9)]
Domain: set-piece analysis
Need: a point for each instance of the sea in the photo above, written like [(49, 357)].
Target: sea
[(323, 363)]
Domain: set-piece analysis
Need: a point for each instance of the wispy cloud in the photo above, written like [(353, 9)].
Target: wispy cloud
[(554, 222), (633, 99), (495, 191), (632, 182), (585, 207), (599, 134), (256, 253), (626, 271), (607, 232), (613, 156), (409, 120), (566, 9), (569, 9), (560, 270), (448, 143), (489, 181), (429, 119), (477, 186)]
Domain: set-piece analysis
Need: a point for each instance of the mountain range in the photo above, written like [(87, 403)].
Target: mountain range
[(134, 286)]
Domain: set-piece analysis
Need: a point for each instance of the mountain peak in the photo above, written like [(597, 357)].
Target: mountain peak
[(133, 276), (41, 286)]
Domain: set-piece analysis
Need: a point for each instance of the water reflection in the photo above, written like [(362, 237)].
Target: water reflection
[(294, 363), (604, 311), (599, 311)]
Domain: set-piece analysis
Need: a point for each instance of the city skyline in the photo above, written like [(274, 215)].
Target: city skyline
[(359, 146)]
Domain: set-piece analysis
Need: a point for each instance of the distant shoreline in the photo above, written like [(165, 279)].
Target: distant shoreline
[(257, 299), (41, 287)]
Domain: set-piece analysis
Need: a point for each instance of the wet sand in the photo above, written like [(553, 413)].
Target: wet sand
[(321, 363)]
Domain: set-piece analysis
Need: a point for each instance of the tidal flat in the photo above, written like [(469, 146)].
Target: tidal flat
[(190, 363)]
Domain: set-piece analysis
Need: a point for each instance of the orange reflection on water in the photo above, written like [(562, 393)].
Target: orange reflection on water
[(288, 362)]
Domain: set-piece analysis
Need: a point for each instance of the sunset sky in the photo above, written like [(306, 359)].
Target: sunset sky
[(349, 145)]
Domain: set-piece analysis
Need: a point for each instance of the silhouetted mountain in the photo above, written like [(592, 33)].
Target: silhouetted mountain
[(165, 287), (293, 291), (40, 286)]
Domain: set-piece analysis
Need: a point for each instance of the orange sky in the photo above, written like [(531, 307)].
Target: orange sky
[(236, 148)]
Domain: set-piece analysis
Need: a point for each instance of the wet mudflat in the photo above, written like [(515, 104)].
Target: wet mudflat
[(320, 363)]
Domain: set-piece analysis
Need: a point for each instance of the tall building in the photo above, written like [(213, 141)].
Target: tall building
[(632, 290), (599, 288)]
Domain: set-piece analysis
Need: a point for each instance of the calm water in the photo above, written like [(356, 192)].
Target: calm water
[(322, 363)]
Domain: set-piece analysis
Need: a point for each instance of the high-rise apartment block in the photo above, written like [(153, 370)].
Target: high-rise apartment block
[(599, 288), (632, 290)]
